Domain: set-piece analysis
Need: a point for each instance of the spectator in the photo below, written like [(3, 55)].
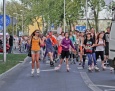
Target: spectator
[(10, 43)]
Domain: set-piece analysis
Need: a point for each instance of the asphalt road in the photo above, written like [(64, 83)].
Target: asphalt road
[(77, 79)]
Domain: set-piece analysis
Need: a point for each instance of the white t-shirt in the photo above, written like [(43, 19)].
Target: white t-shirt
[(60, 38), (16, 39), (100, 48)]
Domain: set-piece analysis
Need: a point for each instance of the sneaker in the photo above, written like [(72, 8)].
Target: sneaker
[(111, 70), (80, 63), (58, 68), (89, 68), (68, 68), (96, 68), (32, 72), (51, 63), (38, 71), (103, 67)]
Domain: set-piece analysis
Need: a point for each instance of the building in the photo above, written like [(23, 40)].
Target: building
[(32, 28)]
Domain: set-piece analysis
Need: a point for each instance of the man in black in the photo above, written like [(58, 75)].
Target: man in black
[(10, 43), (106, 38)]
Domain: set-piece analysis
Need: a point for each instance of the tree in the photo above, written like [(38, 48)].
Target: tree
[(52, 11), (96, 6), (14, 7)]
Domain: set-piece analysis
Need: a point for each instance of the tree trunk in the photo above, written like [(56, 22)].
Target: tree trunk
[(96, 20), (89, 24)]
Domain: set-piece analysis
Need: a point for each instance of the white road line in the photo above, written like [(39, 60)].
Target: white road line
[(109, 90), (88, 82), (80, 68), (104, 86), (48, 70)]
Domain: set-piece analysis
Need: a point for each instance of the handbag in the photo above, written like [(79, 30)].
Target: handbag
[(29, 51)]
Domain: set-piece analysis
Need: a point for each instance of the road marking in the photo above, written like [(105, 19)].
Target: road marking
[(88, 82), (79, 68), (48, 70), (109, 90), (104, 86)]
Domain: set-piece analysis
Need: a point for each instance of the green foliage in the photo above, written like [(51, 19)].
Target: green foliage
[(52, 11)]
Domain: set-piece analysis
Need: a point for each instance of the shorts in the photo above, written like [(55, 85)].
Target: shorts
[(65, 54), (107, 50), (35, 52), (59, 49), (49, 50)]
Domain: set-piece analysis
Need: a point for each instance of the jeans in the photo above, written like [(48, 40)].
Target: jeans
[(91, 58)]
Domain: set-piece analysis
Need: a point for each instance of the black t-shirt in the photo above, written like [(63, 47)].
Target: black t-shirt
[(88, 44), (106, 38)]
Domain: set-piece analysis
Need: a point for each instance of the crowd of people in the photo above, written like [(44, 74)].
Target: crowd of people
[(70, 47), (19, 44)]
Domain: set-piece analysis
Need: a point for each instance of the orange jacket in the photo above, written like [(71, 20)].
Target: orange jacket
[(54, 41)]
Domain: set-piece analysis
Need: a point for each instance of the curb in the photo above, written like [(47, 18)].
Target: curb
[(9, 71)]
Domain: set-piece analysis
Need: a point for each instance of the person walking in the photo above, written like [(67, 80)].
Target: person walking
[(35, 43), (10, 43), (66, 43)]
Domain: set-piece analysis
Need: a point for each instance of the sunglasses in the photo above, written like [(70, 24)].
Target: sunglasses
[(37, 32)]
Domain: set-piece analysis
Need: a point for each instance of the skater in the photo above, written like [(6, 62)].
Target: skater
[(35, 43), (49, 49), (100, 44), (73, 39), (89, 50), (66, 42), (59, 39)]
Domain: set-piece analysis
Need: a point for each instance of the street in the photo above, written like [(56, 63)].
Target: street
[(77, 79)]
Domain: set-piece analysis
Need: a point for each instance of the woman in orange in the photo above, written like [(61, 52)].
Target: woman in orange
[(35, 50)]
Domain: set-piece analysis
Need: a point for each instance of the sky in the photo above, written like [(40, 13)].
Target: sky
[(102, 14)]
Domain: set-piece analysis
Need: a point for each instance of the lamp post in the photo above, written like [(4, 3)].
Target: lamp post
[(64, 16), (22, 21), (86, 14), (16, 21), (4, 32), (69, 22)]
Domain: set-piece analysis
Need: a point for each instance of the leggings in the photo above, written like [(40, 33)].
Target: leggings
[(91, 57), (101, 54), (72, 55)]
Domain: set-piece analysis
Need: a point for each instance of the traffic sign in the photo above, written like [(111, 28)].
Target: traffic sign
[(1, 27), (80, 28), (7, 20)]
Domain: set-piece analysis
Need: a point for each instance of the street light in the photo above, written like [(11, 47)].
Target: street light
[(22, 21), (64, 15), (69, 21), (16, 21), (86, 14), (4, 32)]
